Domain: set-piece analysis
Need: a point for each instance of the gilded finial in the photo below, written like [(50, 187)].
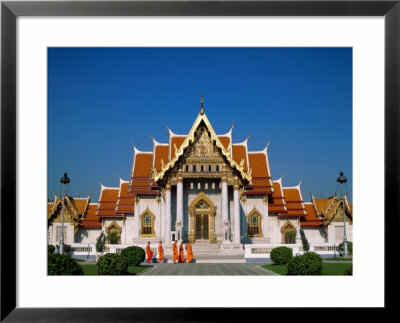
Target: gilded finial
[(167, 126), (202, 104), (233, 123), (248, 136)]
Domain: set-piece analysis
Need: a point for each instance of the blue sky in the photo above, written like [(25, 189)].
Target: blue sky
[(100, 100)]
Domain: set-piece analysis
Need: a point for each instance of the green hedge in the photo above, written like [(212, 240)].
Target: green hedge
[(310, 263), (112, 264), (281, 255), (62, 265), (51, 248), (134, 255)]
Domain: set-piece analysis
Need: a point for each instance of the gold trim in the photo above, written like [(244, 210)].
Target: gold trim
[(190, 138), (260, 217), (153, 217), (211, 211)]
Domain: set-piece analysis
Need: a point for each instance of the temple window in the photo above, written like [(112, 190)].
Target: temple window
[(217, 168), (254, 224), (209, 168), (147, 224), (202, 168), (288, 233), (194, 168), (187, 168)]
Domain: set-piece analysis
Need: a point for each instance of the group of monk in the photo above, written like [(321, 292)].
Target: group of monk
[(180, 257), (177, 256)]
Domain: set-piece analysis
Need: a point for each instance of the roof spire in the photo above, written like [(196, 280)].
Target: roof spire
[(202, 103)]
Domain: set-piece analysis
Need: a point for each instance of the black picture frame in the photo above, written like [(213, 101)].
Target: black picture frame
[(10, 10)]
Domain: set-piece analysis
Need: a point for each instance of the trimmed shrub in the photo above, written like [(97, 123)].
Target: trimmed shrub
[(309, 263), (281, 255), (112, 264), (349, 247), (62, 265), (100, 242), (134, 255), (113, 237), (51, 248), (349, 270), (67, 248), (304, 241)]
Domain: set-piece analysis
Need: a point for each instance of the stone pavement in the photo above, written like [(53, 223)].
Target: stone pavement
[(207, 269)]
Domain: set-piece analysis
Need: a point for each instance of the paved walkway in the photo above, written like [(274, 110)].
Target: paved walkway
[(208, 269)]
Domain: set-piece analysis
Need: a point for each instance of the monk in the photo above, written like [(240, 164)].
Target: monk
[(181, 255), (189, 252), (175, 251), (160, 252), (149, 253)]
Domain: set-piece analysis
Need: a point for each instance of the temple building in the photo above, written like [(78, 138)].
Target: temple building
[(205, 188)]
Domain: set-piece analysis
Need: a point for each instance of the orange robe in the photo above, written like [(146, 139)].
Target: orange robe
[(175, 251), (160, 253), (181, 255), (149, 254), (189, 252)]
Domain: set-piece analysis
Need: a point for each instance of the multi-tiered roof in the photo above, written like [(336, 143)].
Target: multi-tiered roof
[(150, 167)]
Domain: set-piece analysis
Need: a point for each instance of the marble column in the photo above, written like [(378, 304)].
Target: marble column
[(136, 232), (236, 212), (224, 207), (162, 222), (168, 213), (265, 222), (179, 205)]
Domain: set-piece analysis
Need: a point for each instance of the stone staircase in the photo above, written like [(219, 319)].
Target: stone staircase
[(205, 252)]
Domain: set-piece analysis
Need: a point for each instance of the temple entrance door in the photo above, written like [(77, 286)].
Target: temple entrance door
[(202, 226), (202, 219)]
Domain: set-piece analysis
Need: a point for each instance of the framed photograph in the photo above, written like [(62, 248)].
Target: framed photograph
[(49, 52)]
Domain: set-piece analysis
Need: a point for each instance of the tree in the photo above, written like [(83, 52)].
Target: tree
[(100, 242), (113, 237), (304, 241)]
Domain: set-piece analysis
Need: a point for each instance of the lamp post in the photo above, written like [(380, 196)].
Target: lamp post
[(342, 180), (64, 180)]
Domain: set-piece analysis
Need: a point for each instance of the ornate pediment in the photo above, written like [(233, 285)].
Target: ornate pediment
[(202, 143), (202, 147)]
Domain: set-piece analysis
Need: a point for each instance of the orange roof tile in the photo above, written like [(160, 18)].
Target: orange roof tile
[(49, 208), (239, 153), (160, 152), (107, 202), (277, 202), (126, 200), (323, 204), (80, 204), (225, 141), (176, 141), (141, 175), (261, 178), (311, 219), (294, 201), (91, 220)]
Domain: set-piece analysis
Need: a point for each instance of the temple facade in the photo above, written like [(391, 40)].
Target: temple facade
[(205, 188)]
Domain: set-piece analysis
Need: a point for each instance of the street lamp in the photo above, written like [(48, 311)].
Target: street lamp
[(64, 180), (342, 180)]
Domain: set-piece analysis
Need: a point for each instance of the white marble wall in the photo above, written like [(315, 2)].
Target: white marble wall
[(69, 233), (314, 235), (87, 235)]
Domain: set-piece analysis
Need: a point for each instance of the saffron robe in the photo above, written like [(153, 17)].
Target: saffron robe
[(189, 252), (181, 255), (149, 254), (175, 251), (160, 253)]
